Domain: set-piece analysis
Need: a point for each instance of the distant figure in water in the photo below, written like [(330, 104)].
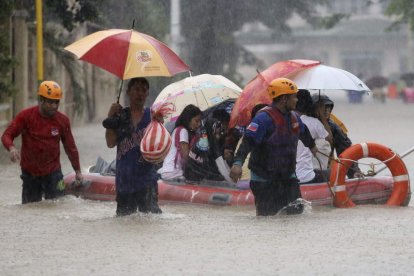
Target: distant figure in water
[(42, 128), (272, 138)]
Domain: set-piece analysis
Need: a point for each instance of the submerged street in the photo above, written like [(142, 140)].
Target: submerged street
[(76, 236)]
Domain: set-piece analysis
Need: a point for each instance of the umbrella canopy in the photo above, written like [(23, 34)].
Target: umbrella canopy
[(128, 54), (255, 91), (324, 77), (203, 91)]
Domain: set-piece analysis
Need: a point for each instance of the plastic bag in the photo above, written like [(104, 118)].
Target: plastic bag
[(157, 141)]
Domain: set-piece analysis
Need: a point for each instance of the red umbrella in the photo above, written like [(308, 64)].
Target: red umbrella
[(255, 91)]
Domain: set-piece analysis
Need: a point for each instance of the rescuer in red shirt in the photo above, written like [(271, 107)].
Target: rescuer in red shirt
[(42, 128)]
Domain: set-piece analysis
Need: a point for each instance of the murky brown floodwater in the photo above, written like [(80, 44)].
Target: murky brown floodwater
[(74, 236)]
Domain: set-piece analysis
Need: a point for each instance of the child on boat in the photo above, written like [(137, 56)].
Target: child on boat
[(183, 138)]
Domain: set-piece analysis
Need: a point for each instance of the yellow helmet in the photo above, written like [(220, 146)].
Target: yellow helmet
[(281, 86), (50, 90)]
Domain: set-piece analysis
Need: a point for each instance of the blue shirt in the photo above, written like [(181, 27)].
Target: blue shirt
[(262, 126), (133, 173)]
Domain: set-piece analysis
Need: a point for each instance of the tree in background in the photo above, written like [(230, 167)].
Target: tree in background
[(59, 12), (403, 12), (209, 25), (7, 62), (208, 28), (151, 17)]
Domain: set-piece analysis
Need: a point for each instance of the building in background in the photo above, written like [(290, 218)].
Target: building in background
[(360, 44)]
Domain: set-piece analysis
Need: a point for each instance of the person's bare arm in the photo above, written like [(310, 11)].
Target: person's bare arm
[(111, 137), (110, 134), (185, 150), (321, 116)]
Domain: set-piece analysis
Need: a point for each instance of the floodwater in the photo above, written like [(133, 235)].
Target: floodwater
[(73, 236)]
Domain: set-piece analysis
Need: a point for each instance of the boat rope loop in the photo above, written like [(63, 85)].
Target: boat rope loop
[(370, 164), (401, 186)]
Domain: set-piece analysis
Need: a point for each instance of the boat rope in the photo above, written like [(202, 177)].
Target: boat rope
[(370, 172), (348, 168), (323, 175)]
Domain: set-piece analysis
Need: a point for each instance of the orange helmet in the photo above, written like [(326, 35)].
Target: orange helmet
[(281, 86), (50, 90)]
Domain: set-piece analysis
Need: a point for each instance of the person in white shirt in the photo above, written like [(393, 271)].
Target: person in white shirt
[(183, 137), (309, 168)]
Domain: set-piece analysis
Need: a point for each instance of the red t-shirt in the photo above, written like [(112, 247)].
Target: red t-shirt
[(41, 136)]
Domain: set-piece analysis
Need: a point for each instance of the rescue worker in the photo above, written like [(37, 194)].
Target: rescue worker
[(42, 128), (272, 138)]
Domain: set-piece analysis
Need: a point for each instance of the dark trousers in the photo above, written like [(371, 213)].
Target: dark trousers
[(34, 187), (272, 196), (129, 203), (144, 200)]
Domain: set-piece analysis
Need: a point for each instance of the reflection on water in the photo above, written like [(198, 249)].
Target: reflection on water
[(75, 236)]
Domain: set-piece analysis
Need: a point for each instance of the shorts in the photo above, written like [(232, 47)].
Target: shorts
[(35, 187)]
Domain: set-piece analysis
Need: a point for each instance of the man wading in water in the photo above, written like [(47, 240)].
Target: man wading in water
[(272, 139)]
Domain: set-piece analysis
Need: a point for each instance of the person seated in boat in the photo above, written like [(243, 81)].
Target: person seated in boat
[(320, 131), (341, 140), (208, 147), (183, 137)]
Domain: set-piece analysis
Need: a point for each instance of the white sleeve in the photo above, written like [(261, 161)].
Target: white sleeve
[(320, 131), (184, 136)]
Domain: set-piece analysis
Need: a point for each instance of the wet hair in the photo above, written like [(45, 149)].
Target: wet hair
[(222, 115), (256, 108), (305, 103), (188, 113), (133, 81)]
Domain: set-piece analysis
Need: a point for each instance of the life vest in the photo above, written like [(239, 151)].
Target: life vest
[(281, 145)]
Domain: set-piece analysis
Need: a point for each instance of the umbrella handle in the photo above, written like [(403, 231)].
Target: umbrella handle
[(120, 89)]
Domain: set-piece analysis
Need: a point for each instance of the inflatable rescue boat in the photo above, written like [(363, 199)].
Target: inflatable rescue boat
[(338, 191), (371, 190)]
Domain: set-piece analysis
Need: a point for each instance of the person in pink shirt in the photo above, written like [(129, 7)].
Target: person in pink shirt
[(42, 128)]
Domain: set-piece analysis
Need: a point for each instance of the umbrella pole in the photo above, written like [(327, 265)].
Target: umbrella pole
[(120, 89), (122, 81)]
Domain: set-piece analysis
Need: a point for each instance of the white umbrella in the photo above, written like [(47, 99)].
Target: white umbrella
[(203, 91), (322, 77)]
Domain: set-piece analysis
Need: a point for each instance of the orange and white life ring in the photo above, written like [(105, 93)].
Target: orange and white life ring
[(401, 187)]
